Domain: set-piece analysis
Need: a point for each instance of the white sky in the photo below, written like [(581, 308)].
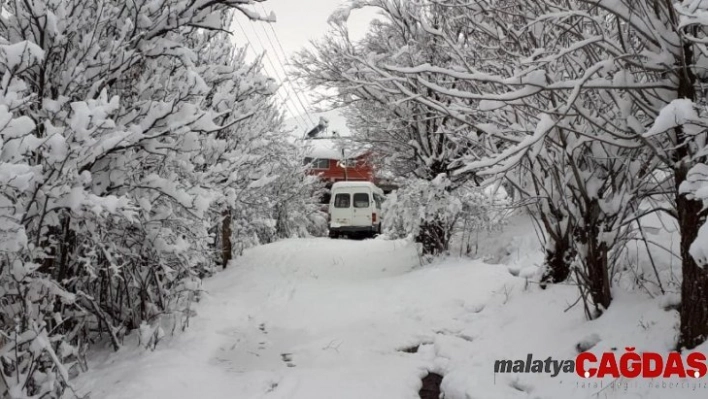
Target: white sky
[(298, 22)]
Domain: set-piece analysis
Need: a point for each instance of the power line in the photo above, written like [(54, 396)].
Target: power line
[(270, 60), (302, 123), (284, 103), (285, 96), (282, 50), (281, 99), (298, 118), (287, 80), (282, 65), (275, 70)]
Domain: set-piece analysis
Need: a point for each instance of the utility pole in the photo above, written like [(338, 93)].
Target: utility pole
[(344, 165)]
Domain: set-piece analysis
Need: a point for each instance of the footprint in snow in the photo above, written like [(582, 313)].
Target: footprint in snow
[(287, 358)]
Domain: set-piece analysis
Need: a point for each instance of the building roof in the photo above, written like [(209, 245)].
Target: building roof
[(331, 148), (335, 120), (327, 138)]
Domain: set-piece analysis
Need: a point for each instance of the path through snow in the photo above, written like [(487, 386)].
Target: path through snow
[(310, 319)]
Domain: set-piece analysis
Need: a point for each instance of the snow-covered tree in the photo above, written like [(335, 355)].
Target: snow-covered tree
[(129, 130), (567, 93)]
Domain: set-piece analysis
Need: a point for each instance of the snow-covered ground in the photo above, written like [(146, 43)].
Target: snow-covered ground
[(331, 319)]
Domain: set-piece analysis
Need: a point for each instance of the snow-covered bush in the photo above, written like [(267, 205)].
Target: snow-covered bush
[(417, 202), (485, 210), (420, 203)]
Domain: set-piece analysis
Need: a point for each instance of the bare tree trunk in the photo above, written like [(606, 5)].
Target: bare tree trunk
[(596, 275), (561, 253), (557, 262), (599, 276), (433, 236), (694, 286), (66, 247), (226, 245), (282, 227)]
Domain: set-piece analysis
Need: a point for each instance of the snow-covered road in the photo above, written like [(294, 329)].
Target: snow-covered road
[(331, 319), (309, 318)]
